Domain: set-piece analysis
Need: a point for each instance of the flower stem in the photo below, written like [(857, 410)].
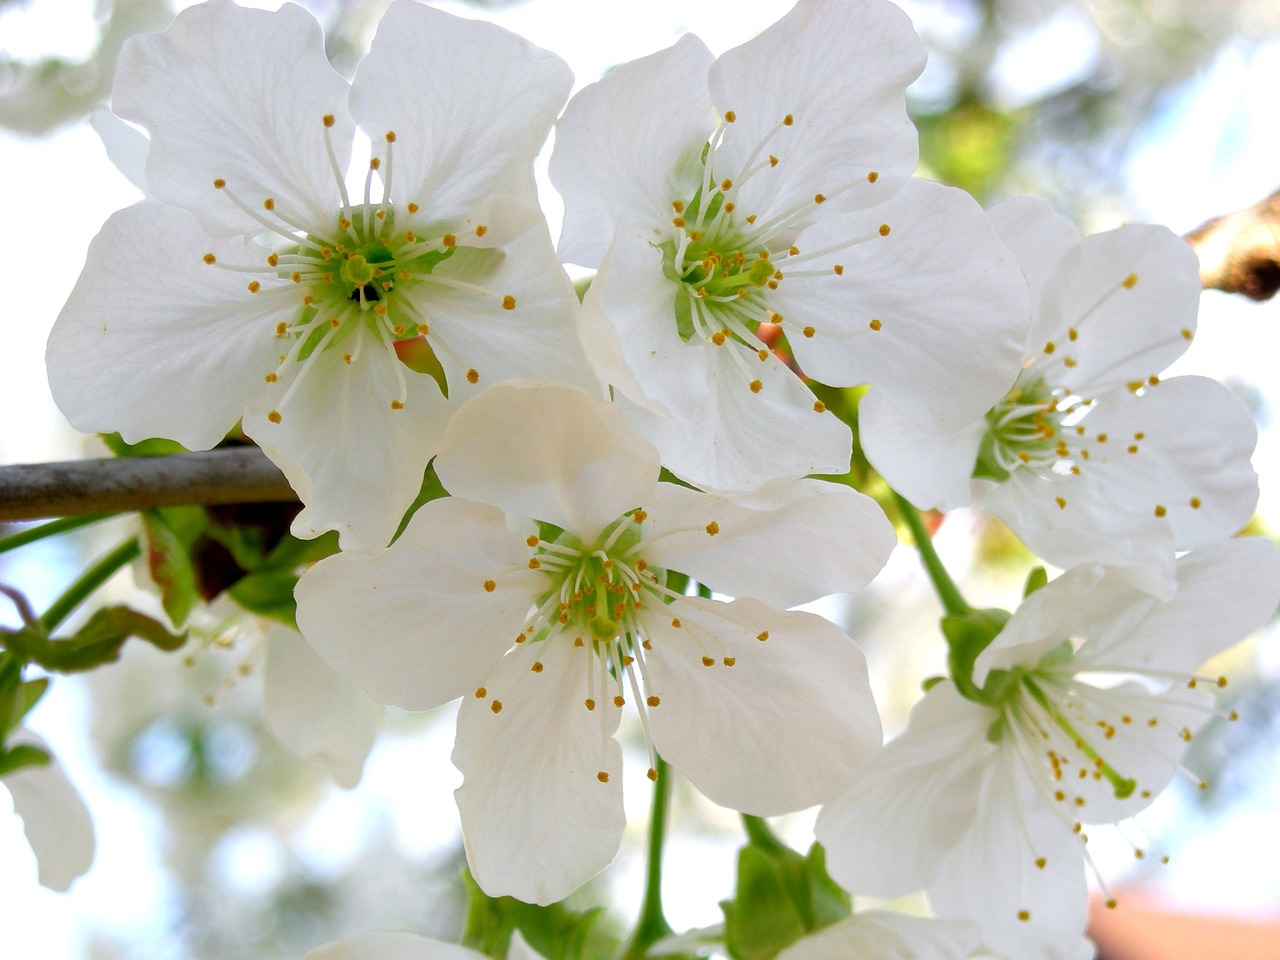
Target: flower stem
[(89, 581), (652, 925), (50, 529), (943, 585)]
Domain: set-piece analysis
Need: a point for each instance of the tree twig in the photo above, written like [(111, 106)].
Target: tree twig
[(70, 488), (1240, 252)]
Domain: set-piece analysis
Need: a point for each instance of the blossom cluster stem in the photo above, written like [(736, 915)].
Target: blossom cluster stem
[(88, 582), (948, 593), (51, 529), (652, 924), (72, 488)]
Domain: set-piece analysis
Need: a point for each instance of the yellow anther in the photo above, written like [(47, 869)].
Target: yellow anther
[(773, 161), (274, 416), (675, 622), (730, 116), (209, 258), (602, 777), (1129, 281), (472, 376), (819, 198), (1062, 503), (678, 222), (872, 177), (391, 136), (619, 702), (508, 302), (726, 184), (763, 354), (269, 204), (708, 662), (281, 329), (729, 661), (219, 184), (653, 701), (762, 636), (819, 407), (875, 325), (839, 269), (1160, 511), (808, 331), (397, 405), (537, 666), (496, 706), (271, 378), (273, 260), (756, 386), (884, 229), (713, 528), (375, 163), (750, 219), (534, 563), (490, 586), (1040, 862), (1024, 915), (412, 207), (481, 229), (788, 120), (1049, 347), (481, 693), (652, 774), (328, 119), (449, 240), (1186, 334), (730, 207)]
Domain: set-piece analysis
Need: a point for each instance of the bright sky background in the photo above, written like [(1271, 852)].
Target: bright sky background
[(1201, 160)]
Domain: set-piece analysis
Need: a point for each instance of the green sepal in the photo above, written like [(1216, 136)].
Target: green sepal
[(267, 593), (557, 931), (23, 755), (1036, 579), (780, 896), (171, 532), (967, 635), (986, 467), (155, 447), (928, 683), (97, 642), (431, 489)]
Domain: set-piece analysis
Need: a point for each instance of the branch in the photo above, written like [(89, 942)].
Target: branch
[(1240, 252), (73, 487)]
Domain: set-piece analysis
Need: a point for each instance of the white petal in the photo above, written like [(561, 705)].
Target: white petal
[(470, 104), (929, 467), (391, 946), (841, 71), (1125, 330), (992, 874), (126, 146), (55, 819), (770, 726), (887, 835), (629, 145), (153, 342), (822, 538), (541, 799), (475, 333), (519, 949), (950, 302), (1039, 238), (883, 935), (415, 625), (550, 453), (1224, 591), (314, 712), (238, 95), (355, 461), (735, 439)]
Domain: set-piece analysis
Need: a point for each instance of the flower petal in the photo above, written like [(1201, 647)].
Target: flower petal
[(478, 336), (550, 453), (934, 312), (238, 95), (736, 439), (153, 342), (55, 819), (929, 467), (465, 142), (541, 798), (781, 719), (391, 946), (1131, 295), (416, 625), (1039, 238), (884, 935), (887, 835), (840, 70), (355, 459), (815, 539), (628, 145), (315, 712), (992, 876)]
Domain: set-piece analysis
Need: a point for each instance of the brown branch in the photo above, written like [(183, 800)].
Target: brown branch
[(1240, 252), (74, 487)]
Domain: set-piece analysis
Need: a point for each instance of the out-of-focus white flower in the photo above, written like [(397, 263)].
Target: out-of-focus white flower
[(1090, 457), (257, 287), (769, 191), (982, 799), (550, 597), (409, 946), (882, 935), (55, 819)]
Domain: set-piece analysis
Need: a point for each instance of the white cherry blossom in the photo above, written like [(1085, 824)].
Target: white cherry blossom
[(1091, 456), (551, 598), (387, 945), (1077, 713), (54, 817), (256, 286), (884, 935), (728, 202)]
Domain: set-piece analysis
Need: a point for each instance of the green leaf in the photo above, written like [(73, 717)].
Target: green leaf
[(830, 901), (268, 593), (170, 534), (97, 642), (556, 931), (155, 447)]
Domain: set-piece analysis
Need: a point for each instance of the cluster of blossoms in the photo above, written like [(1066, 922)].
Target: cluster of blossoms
[(755, 228)]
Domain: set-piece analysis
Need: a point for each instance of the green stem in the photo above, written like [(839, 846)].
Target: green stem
[(943, 585), (89, 581), (50, 529), (652, 925)]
